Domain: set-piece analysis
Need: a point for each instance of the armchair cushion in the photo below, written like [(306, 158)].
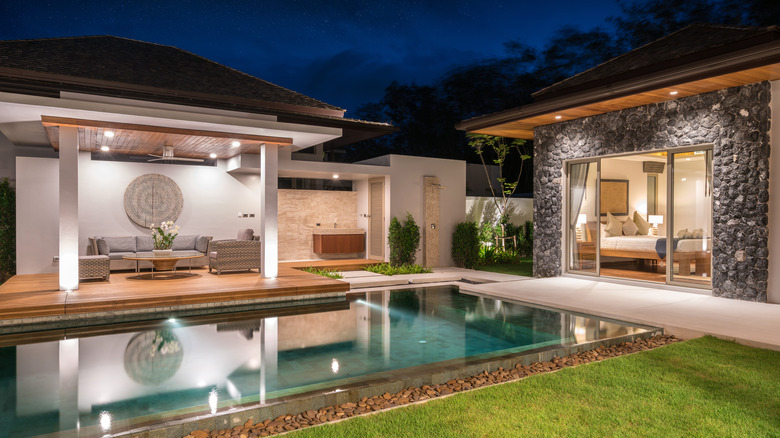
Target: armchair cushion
[(245, 234)]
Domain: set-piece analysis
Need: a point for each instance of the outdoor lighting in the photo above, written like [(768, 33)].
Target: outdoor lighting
[(105, 421), (558, 117), (105, 148), (212, 155), (655, 219), (334, 366), (673, 93), (213, 400), (335, 176), (581, 220), (235, 143), (109, 134)]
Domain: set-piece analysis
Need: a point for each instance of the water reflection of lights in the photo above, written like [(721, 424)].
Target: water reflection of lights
[(213, 399), (105, 421), (334, 366)]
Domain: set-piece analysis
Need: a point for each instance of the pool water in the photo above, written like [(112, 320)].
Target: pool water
[(113, 378)]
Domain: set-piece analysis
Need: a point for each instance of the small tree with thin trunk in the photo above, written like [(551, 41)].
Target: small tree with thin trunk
[(501, 147)]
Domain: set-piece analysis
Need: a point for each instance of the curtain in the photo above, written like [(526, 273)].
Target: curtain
[(578, 177)]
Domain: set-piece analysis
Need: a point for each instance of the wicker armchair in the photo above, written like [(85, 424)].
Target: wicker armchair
[(232, 255)]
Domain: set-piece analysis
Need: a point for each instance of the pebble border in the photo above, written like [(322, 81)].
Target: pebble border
[(290, 422)]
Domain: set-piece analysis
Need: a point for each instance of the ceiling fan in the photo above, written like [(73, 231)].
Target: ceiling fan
[(167, 155)]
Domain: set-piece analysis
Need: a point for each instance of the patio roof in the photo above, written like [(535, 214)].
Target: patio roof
[(694, 60)]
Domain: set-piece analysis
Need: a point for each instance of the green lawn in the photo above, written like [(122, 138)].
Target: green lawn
[(524, 268), (705, 387)]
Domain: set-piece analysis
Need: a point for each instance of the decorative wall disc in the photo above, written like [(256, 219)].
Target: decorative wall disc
[(151, 199), (153, 357)]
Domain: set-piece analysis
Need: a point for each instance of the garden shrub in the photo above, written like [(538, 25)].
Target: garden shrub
[(404, 240), (7, 230), (465, 245)]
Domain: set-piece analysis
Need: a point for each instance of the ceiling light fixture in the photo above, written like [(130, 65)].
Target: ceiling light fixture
[(673, 92), (109, 134), (104, 148), (212, 155), (235, 143), (335, 176)]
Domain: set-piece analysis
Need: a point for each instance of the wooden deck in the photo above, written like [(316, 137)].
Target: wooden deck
[(31, 296)]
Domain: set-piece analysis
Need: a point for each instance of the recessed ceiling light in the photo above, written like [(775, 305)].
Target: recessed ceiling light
[(212, 155), (104, 148), (558, 117), (235, 143), (673, 92), (109, 134), (335, 176)]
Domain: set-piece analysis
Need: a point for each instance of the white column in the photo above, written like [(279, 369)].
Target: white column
[(69, 384), (269, 181), (69, 208)]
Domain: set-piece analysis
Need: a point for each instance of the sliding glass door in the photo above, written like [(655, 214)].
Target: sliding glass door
[(691, 213), (582, 217)]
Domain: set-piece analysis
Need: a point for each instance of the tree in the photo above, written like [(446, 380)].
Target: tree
[(7, 230), (501, 148)]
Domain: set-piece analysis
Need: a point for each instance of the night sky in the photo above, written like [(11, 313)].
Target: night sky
[(342, 52)]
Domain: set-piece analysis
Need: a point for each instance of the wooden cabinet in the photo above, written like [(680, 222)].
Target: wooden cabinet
[(339, 243)]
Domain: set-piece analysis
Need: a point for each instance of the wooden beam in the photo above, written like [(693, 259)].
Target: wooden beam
[(65, 121)]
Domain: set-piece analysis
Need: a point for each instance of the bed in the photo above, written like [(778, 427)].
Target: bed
[(686, 251)]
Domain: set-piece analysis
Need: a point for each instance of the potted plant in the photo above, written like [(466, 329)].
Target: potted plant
[(163, 236)]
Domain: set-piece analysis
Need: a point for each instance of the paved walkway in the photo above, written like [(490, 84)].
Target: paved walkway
[(682, 314)]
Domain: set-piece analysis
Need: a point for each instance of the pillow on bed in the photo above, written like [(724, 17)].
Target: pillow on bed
[(629, 227), (684, 234), (642, 226), (614, 226), (698, 233)]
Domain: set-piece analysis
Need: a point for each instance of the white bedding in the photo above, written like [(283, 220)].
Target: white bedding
[(647, 243)]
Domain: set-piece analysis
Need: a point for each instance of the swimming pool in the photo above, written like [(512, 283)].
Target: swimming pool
[(106, 379)]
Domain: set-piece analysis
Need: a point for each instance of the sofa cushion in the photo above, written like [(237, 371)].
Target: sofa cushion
[(202, 244), (144, 243), (102, 246), (245, 234), (119, 255), (184, 243), (120, 244)]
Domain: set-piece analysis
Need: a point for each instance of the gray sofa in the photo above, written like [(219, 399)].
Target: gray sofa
[(117, 247)]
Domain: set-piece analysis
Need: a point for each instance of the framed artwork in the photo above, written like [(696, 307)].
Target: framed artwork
[(614, 196)]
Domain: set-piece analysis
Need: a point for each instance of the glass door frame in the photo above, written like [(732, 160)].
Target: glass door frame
[(668, 211), (568, 236)]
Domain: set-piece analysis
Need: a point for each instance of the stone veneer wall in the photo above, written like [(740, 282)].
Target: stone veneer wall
[(735, 120), (301, 210)]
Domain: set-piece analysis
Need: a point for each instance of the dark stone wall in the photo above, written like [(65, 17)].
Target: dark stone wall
[(735, 120)]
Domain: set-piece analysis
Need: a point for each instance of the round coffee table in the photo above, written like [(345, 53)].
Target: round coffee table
[(164, 265)]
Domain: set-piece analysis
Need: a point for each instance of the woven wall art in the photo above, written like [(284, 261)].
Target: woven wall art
[(151, 199)]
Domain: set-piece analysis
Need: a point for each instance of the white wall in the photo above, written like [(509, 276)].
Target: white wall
[(212, 200), (406, 195), (37, 215), (481, 208)]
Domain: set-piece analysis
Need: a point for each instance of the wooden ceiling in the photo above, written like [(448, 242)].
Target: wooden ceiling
[(524, 128), (133, 139)]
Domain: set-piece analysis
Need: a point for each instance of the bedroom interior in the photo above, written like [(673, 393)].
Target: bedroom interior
[(625, 206)]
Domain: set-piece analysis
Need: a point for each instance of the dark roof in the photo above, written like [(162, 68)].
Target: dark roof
[(126, 61), (692, 43)]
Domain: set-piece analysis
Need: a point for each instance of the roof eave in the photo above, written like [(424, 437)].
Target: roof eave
[(764, 54)]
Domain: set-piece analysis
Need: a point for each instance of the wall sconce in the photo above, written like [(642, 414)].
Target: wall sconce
[(581, 220), (655, 219)]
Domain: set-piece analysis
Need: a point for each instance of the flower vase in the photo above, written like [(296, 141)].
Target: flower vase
[(162, 252)]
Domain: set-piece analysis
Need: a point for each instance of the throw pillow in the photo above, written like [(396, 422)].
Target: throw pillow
[(698, 233), (245, 234), (103, 248), (642, 226), (629, 227), (614, 225), (684, 234)]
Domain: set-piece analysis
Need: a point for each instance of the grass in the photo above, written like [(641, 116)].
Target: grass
[(387, 269), (524, 268), (336, 275), (700, 388)]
